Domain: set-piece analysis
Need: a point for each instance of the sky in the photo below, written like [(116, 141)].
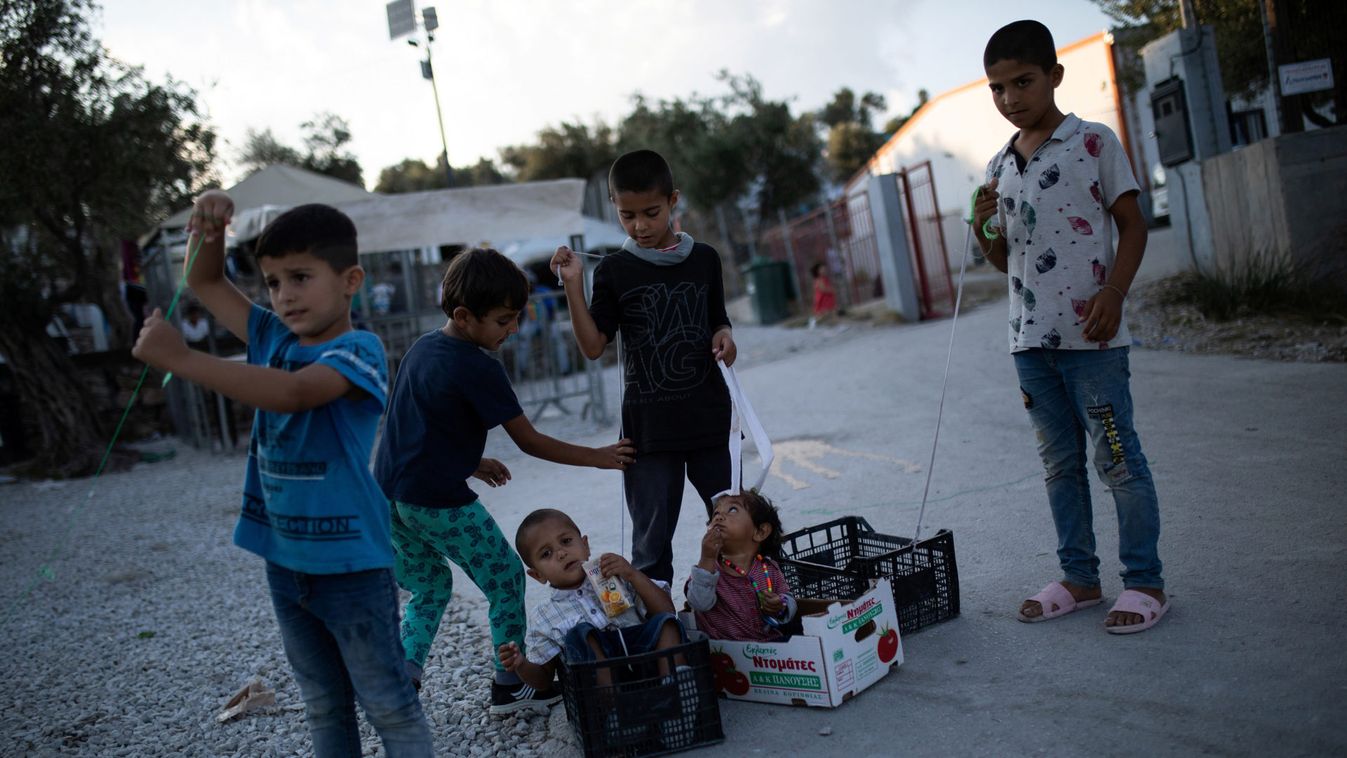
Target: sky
[(507, 68)]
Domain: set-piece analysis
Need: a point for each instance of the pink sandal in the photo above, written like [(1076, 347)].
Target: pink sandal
[(1056, 600), (1143, 605)]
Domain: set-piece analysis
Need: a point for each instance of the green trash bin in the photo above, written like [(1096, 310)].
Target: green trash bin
[(768, 289)]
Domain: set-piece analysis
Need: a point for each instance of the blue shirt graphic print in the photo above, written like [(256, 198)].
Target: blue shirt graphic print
[(310, 502)]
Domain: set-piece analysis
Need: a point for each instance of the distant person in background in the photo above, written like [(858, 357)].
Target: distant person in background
[(136, 298), (825, 296), (381, 298), (195, 327)]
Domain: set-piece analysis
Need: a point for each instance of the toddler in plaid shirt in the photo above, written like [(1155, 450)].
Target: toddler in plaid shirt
[(573, 623)]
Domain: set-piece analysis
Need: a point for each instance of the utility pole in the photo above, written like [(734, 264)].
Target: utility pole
[(401, 23), (1288, 106)]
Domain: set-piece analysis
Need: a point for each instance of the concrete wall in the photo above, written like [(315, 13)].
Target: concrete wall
[(1190, 55), (1282, 196)]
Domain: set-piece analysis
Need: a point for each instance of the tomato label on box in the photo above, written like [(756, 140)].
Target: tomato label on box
[(846, 647)]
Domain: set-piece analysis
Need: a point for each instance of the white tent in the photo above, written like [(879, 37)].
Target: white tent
[(494, 215), (525, 221), (284, 186), (598, 234)]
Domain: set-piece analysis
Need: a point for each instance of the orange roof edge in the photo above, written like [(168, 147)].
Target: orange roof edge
[(874, 159)]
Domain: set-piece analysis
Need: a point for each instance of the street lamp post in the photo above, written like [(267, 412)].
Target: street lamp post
[(401, 23)]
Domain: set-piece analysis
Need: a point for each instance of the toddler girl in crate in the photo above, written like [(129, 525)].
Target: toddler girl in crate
[(737, 590)]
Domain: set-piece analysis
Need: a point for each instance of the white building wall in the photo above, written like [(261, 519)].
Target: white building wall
[(959, 130)]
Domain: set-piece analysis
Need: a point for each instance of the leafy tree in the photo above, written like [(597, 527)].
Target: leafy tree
[(412, 175), (1307, 29), (845, 108), (1239, 34), (783, 151), (892, 126), (692, 135), (851, 140), (326, 137), (91, 153), (567, 150), (261, 149)]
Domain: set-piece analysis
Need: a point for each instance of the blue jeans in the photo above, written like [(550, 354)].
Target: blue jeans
[(619, 642), (341, 637), (1077, 395)]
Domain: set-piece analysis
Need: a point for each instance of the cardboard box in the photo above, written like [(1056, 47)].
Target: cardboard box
[(846, 646)]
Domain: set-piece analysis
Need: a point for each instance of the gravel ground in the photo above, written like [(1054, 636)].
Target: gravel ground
[(152, 619), (147, 619), (132, 619), (1158, 325)]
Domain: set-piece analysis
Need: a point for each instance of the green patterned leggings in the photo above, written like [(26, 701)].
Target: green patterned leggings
[(423, 540)]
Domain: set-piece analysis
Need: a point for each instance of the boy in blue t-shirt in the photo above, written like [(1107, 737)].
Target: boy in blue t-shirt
[(449, 392), (311, 507), (1058, 188)]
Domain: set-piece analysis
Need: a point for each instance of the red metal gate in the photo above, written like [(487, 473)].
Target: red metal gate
[(916, 185), (842, 237)]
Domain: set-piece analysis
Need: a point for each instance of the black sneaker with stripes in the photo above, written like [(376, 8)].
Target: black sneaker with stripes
[(510, 698)]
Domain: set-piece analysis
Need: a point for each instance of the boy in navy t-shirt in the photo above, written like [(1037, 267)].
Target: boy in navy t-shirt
[(449, 392), (311, 507)]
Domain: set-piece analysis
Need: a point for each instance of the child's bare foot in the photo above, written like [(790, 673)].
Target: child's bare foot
[(1119, 618), (1031, 609)]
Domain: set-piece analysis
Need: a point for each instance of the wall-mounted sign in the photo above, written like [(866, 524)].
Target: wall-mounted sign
[(1309, 76)]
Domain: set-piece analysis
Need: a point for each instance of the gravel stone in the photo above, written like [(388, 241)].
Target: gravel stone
[(152, 551)]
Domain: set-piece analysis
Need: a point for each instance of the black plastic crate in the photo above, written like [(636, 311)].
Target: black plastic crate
[(838, 559), (644, 712)]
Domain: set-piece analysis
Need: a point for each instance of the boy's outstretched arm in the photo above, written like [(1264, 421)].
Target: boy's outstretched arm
[(269, 389), (539, 445), (572, 271), (210, 215), (539, 677), (655, 599), (1103, 312)]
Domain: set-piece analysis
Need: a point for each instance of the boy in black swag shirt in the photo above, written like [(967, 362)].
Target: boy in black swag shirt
[(664, 293)]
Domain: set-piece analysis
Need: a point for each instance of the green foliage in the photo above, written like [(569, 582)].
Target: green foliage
[(738, 146), (1240, 43), (261, 149), (413, 175), (90, 151), (850, 146), (733, 148), (567, 150), (892, 126), (1261, 284), (326, 137)]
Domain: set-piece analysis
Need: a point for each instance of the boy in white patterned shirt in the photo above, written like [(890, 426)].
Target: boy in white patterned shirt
[(1058, 189)]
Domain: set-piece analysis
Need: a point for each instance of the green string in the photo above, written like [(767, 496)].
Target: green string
[(45, 571), (988, 231)]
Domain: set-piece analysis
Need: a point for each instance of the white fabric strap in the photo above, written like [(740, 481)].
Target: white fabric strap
[(742, 408)]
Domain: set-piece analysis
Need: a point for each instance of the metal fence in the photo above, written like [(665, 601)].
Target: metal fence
[(841, 236), (546, 366), (926, 234), (399, 303)]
